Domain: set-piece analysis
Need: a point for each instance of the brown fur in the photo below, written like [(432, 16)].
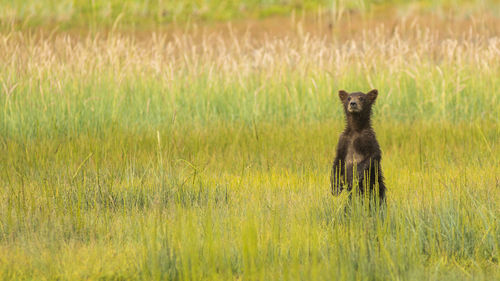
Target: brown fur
[(358, 152)]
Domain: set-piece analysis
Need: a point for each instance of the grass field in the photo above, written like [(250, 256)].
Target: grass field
[(205, 152)]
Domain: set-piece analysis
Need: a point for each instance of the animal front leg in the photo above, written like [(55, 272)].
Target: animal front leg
[(337, 177), (371, 175)]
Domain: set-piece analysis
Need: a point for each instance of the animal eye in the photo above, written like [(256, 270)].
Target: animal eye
[(349, 98)]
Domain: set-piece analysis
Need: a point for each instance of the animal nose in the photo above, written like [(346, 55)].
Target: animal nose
[(353, 103)]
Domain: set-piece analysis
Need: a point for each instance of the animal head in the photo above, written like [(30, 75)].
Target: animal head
[(358, 102)]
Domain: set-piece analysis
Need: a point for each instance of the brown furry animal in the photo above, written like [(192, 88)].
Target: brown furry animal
[(357, 164)]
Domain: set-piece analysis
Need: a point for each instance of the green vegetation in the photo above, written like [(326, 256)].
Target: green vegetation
[(156, 13), (187, 157), (70, 13)]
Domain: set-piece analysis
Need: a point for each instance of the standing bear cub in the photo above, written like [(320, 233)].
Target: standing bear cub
[(357, 164)]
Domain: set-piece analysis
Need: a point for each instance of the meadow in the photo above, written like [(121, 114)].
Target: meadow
[(203, 152)]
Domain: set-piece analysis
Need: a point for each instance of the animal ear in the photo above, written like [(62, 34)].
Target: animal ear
[(343, 95), (372, 95)]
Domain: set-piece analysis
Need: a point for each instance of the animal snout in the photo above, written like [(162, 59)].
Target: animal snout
[(352, 103)]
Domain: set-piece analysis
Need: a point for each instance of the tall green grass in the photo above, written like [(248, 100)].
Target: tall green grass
[(208, 157), (217, 202)]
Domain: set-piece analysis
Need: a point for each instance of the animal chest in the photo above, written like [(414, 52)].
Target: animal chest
[(353, 155)]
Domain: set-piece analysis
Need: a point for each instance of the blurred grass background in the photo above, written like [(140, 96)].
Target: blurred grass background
[(130, 151), (153, 13)]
